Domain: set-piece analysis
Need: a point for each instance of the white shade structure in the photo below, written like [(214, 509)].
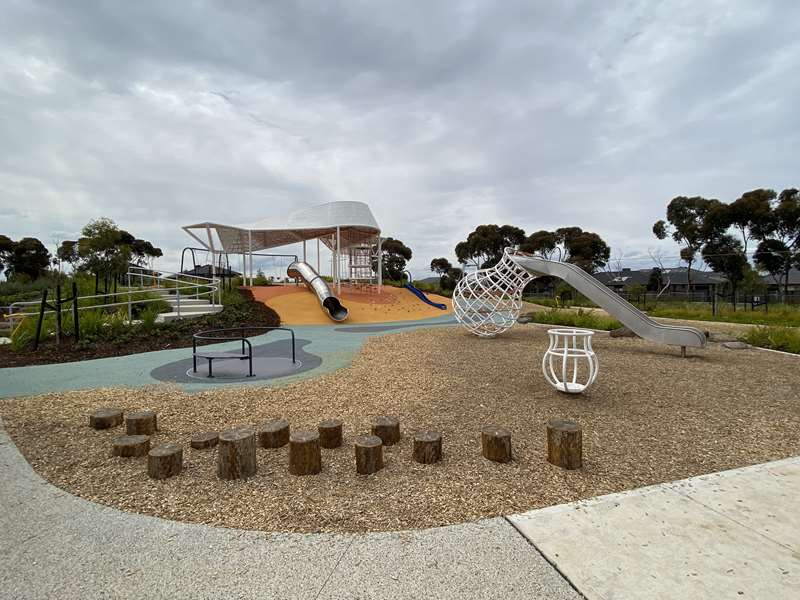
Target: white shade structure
[(340, 226)]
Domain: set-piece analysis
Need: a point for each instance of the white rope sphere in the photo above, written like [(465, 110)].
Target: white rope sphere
[(488, 301)]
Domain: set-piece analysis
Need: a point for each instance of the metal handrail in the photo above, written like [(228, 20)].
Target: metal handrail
[(202, 335), (212, 285)]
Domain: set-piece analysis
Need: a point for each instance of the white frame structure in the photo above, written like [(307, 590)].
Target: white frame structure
[(488, 301), (565, 349), (338, 225)]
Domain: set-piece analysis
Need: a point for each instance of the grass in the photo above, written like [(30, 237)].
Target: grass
[(779, 314), (785, 339), (575, 318)]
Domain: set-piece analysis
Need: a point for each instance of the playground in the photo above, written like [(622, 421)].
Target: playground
[(373, 408), (652, 417)]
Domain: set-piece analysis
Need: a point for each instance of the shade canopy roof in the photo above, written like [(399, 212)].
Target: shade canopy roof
[(354, 221)]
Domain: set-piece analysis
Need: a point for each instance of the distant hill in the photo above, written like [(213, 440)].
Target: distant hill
[(430, 280)]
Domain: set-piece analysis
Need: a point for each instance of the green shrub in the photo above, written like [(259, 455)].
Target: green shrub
[(575, 318), (786, 339), (90, 323), (148, 317)]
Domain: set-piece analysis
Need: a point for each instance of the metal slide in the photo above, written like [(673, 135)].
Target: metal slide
[(319, 286), (623, 311)]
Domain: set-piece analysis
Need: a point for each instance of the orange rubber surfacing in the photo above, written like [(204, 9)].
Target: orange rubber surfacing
[(296, 305)]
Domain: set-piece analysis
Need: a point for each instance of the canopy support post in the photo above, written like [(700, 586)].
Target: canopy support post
[(250, 253), (380, 264), (338, 260), (213, 267), (318, 273)]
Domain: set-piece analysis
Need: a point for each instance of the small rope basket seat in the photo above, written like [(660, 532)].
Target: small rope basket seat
[(488, 301)]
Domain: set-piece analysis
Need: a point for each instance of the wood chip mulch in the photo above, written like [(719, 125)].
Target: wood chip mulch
[(651, 417)]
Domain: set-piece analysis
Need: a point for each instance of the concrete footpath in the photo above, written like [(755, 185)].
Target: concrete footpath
[(734, 534)]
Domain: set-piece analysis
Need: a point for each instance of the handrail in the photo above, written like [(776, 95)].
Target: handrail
[(202, 335)]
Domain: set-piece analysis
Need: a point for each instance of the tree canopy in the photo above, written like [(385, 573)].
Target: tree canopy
[(448, 274), (27, 257), (394, 256), (484, 247), (570, 244)]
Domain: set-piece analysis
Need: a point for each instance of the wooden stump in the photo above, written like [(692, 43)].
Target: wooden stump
[(105, 418), (274, 434), (236, 454), (388, 429), (427, 447), (564, 444), (369, 454), (142, 422), (304, 453), (496, 443), (207, 439), (164, 461), (330, 433), (131, 445)]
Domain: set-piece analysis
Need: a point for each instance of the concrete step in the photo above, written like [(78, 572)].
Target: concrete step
[(188, 301), (173, 316), (197, 308)]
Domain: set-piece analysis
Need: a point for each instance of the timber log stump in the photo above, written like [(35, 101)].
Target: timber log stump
[(164, 461), (105, 418), (130, 445), (388, 429), (330, 433), (427, 447), (207, 439), (142, 422), (496, 444), (369, 454), (274, 434), (564, 444), (236, 454), (304, 453)]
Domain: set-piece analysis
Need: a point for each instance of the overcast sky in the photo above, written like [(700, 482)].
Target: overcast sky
[(440, 115)]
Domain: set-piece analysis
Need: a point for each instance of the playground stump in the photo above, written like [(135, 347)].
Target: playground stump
[(496, 444), (427, 447), (274, 434), (164, 461), (130, 445), (207, 439), (388, 429), (236, 455), (330, 433), (105, 418), (369, 454), (142, 422), (564, 444), (304, 453)]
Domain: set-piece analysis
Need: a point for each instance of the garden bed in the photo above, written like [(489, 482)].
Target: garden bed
[(652, 417), (135, 339)]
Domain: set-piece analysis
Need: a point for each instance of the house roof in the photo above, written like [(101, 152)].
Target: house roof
[(794, 278), (676, 276), (354, 221)]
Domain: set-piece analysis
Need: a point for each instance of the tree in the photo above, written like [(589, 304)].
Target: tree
[(655, 280), (68, 252), (104, 249), (725, 254), (448, 274), (686, 225), (752, 214), (27, 257), (570, 244), (394, 256), (6, 249), (484, 247), (779, 249)]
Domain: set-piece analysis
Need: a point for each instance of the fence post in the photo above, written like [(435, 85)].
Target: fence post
[(58, 314), (41, 318), (178, 303), (75, 311), (130, 311)]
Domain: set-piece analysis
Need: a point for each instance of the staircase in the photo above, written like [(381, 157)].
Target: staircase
[(190, 308)]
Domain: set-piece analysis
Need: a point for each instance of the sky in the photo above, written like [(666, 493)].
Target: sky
[(440, 115)]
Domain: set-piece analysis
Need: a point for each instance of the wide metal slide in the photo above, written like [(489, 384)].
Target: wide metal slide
[(319, 286)]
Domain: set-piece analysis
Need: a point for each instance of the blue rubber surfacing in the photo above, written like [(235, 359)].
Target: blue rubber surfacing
[(328, 348)]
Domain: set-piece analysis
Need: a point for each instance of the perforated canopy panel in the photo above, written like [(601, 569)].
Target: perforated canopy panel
[(355, 222)]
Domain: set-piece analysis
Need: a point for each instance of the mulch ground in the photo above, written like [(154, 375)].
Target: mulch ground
[(651, 417)]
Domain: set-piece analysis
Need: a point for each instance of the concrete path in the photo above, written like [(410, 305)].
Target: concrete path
[(734, 534), (55, 545)]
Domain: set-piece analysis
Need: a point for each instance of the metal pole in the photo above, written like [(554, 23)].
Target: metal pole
[(338, 260), (318, 256), (250, 252), (304, 251), (58, 314), (75, 325), (380, 264)]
